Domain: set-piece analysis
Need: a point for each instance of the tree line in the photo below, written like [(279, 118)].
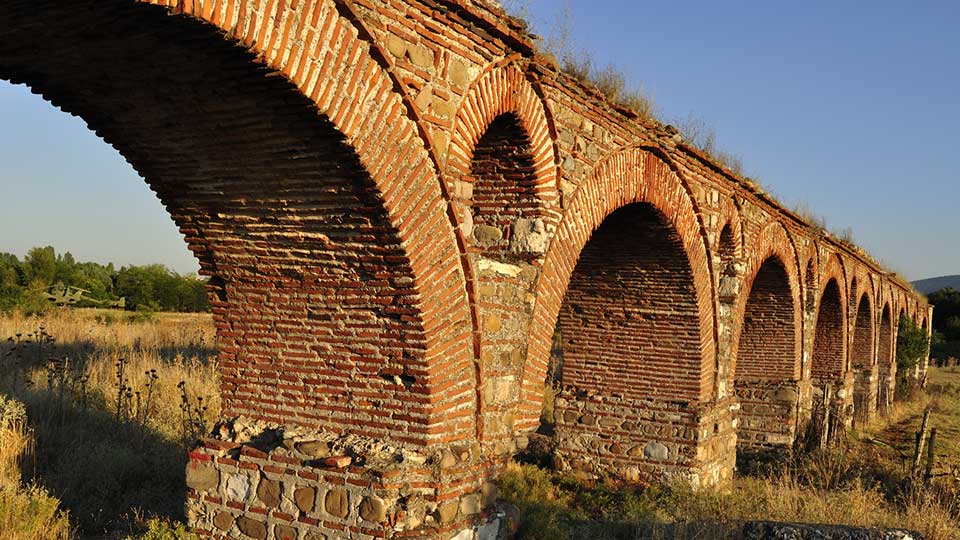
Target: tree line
[(32, 284), (945, 342)]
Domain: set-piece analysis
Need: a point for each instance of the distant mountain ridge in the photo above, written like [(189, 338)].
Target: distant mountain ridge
[(929, 285)]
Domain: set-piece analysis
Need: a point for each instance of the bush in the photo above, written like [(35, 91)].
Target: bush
[(164, 529), (31, 514), (912, 347)]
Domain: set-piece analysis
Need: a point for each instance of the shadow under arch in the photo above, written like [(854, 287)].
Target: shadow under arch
[(633, 190), (339, 272), (862, 355), (766, 348)]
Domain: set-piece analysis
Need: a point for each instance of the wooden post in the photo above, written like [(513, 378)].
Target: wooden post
[(928, 474), (825, 424), (918, 449)]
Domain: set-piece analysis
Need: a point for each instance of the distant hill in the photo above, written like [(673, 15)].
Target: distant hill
[(929, 285)]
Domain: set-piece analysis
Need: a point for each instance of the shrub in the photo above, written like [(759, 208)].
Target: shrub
[(912, 346), (164, 529)]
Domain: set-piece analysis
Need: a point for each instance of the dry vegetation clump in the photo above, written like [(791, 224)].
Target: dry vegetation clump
[(26, 512), (114, 401)]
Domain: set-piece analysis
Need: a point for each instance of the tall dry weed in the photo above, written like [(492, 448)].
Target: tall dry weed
[(113, 447)]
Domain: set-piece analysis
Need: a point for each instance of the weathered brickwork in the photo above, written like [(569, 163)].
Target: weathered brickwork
[(767, 370), (862, 359), (403, 209)]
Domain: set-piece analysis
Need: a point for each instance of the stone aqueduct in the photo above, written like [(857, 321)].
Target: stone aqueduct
[(398, 202)]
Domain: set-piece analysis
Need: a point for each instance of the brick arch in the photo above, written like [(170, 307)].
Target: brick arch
[(862, 357), (828, 361), (331, 97), (865, 288), (886, 348), (810, 262), (630, 176), (729, 218), (772, 242), (502, 92), (885, 335)]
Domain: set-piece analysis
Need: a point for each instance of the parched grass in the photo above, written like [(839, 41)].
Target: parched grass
[(31, 514), (865, 481), (112, 444), (26, 513)]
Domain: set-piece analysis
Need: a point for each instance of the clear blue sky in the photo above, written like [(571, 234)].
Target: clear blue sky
[(849, 107)]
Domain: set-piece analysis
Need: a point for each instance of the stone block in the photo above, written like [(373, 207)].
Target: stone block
[(268, 491), (202, 478), (305, 498), (252, 528), (337, 503), (373, 509), (223, 520)]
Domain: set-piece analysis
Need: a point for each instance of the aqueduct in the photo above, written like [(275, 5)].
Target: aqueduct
[(400, 205)]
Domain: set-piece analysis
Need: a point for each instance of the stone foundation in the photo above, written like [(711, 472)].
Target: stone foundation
[(865, 394), (324, 487), (645, 439), (768, 415)]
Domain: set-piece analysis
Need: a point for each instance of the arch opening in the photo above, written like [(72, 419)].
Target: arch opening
[(862, 362), (317, 312), (766, 365), (728, 251), (629, 321), (827, 364), (629, 334), (885, 361), (505, 202)]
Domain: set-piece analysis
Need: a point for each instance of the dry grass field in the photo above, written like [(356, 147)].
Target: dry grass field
[(113, 400), (865, 480)]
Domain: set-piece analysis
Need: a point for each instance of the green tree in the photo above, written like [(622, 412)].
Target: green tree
[(912, 346), (41, 265)]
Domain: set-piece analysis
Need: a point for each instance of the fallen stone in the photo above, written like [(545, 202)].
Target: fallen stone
[(769, 530)]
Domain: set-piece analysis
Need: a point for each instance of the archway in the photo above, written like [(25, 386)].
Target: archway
[(766, 365), (829, 350), (630, 331), (862, 361), (319, 281), (828, 363), (505, 191), (885, 360)]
